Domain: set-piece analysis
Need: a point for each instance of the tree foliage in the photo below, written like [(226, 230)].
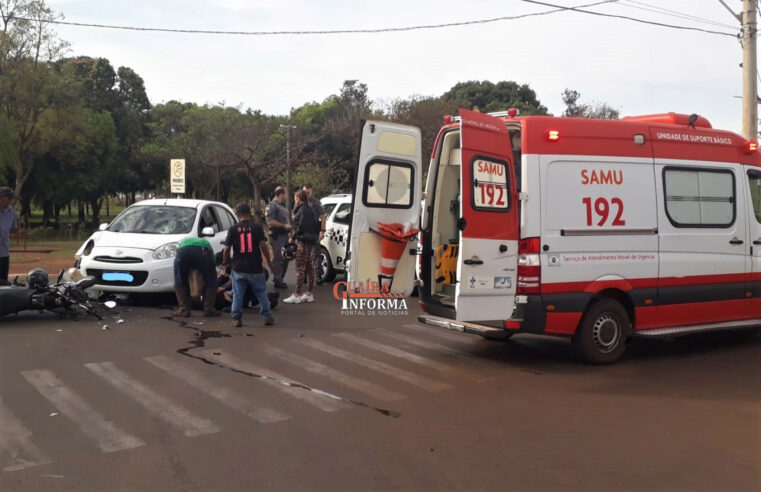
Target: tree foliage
[(489, 97), (595, 109)]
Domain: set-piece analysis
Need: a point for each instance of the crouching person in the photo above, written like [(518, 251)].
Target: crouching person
[(195, 253), (248, 245)]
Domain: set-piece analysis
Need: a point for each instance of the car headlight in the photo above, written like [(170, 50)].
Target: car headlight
[(88, 248), (166, 251)]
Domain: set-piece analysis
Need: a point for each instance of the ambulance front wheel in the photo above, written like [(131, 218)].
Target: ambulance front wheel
[(603, 332)]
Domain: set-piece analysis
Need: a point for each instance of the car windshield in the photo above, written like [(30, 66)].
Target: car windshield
[(155, 219)]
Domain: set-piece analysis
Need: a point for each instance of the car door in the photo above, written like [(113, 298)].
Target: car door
[(340, 232), (209, 218), (754, 223), (386, 207), (488, 259)]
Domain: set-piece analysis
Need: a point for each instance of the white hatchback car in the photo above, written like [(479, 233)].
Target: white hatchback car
[(135, 253), (333, 246)]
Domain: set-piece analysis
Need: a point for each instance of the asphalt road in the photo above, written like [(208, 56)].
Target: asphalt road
[(371, 403)]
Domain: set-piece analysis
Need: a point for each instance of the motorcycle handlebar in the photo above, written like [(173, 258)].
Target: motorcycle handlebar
[(86, 283)]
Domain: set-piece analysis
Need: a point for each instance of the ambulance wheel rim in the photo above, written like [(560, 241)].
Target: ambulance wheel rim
[(606, 332)]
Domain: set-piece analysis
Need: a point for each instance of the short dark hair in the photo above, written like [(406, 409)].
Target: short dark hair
[(243, 210), (302, 196), (308, 185), (279, 191)]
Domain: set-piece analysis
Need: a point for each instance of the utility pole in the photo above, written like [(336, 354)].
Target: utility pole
[(288, 164), (750, 71), (750, 64)]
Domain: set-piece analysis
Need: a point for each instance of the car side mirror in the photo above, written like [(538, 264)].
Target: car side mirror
[(207, 232), (103, 226)]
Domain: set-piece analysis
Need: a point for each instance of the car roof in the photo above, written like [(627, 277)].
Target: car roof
[(177, 202), (343, 197)]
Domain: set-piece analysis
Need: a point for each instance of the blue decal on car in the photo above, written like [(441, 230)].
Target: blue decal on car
[(118, 277)]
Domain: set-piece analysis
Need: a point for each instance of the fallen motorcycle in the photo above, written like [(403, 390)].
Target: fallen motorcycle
[(63, 297)]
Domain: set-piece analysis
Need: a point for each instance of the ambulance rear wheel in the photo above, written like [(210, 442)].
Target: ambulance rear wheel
[(603, 332), (500, 337)]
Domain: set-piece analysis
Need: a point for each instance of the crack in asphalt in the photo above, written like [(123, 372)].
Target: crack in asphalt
[(199, 341)]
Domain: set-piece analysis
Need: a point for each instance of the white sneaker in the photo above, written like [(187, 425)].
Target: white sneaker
[(294, 299), (307, 298)]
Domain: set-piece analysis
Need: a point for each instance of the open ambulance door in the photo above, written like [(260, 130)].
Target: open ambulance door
[(386, 208), (487, 265)]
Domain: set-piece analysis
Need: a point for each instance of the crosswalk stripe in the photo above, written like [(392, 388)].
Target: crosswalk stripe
[(273, 379), (15, 440), (409, 377), (349, 381), (403, 354), (200, 382), (94, 425), (450, 335), (161, 406)]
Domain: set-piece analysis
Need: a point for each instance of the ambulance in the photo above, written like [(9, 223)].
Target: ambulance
[(595, 230)]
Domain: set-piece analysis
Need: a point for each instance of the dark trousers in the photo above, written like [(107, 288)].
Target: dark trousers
[(279, 263), (4, 266), (195, 258)]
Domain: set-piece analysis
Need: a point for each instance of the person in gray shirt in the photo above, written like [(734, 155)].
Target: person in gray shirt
[(279, 222), (8, 224)]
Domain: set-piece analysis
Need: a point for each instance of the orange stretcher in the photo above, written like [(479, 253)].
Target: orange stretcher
[(446, 263)]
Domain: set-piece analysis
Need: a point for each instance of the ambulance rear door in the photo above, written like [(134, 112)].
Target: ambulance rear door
[(386, 207), (488, 260)]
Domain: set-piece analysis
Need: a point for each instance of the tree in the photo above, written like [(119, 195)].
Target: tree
[(425, 113), (29, 85), (595, 109), (490, 97)]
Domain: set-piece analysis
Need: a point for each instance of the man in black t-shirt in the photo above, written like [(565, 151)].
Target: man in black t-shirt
[(248, 245)]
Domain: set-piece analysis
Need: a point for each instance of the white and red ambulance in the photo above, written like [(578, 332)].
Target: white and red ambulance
[(592, 229)]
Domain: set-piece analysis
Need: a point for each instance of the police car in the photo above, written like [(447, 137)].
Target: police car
[(333, 246)]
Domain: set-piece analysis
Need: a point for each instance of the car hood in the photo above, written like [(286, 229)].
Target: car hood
[(108, 239)]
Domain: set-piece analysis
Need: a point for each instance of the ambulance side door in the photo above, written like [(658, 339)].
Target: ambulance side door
[(754, 224), (488, 260), (387, 194)]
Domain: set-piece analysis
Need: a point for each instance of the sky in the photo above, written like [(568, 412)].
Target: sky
[(637, 68)]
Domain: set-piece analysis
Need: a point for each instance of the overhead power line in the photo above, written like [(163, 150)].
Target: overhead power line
[(556, 8), (634, 19), (673, 13)]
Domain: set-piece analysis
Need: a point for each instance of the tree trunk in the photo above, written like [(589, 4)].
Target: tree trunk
[(47, 211), (95, 206), (57, 212), (108, 208), (69, 207), (81, 213)]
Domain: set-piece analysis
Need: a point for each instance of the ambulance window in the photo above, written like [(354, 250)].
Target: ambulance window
[(699, 198), (491, 190), (388, 185), (754, 179)]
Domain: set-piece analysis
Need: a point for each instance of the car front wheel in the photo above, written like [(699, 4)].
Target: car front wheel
[(328, 272)]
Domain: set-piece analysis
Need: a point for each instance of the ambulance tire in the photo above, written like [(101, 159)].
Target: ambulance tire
[(603, 333), (328, 272), (499, 338)]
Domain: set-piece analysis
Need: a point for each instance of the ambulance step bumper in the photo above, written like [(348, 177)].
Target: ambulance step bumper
[(463, 326), (684, 330)]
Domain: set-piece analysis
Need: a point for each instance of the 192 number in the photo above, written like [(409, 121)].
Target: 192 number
[(602, 208), (492, 196)]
